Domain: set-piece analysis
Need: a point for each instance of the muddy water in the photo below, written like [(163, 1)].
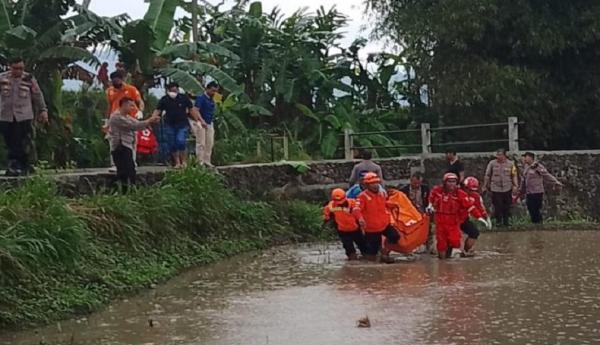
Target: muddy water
[(522, 288)]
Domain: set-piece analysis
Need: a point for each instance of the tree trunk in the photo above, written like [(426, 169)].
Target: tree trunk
[(195, 20)]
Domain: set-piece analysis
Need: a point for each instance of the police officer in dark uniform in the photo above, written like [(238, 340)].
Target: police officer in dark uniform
[(20, 99)]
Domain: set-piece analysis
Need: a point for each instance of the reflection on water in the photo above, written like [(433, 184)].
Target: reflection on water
[(521, 288)]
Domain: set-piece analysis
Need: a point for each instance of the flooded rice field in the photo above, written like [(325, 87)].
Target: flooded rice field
[(521, 288)]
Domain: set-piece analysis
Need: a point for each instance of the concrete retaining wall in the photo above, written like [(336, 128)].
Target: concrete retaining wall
[(579, 171)]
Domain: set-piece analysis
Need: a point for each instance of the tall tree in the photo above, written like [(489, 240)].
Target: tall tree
[(484, 60)]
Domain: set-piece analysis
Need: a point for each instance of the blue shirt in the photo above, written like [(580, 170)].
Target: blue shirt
[(206, 105), (355, 191)]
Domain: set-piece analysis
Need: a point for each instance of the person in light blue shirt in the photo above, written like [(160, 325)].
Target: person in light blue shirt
[(205, 131), (354, 191)]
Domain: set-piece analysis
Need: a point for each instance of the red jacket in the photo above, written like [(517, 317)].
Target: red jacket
[(477, 202), (451, 207), (372, 207)]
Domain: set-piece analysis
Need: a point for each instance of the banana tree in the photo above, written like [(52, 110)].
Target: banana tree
[(151, 54), (288, 66)]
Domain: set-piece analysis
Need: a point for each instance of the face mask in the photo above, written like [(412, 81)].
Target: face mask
[(172, 94)]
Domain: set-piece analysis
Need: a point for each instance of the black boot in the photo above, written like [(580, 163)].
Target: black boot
[(27, 170), (13, 169), (449, 253), (506, 221)]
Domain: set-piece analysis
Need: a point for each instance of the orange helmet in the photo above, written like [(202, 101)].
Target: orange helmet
[(371, 178), (338, 194), (450, 176), (472, 183)]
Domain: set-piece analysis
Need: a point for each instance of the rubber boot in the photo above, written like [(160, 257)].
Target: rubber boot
[(449, 253), (386, 259), (13, 169)]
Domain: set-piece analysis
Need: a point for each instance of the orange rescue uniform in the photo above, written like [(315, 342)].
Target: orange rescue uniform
[(342, 215), (114, 96), (372, 207)]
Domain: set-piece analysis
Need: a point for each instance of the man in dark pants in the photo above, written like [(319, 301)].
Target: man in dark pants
[(20, 98), (122, 137), (177, 108), (532, 185), (374, 218), (339, 212), (501, 180)]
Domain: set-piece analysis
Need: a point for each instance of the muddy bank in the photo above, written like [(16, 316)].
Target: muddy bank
[(521, 288)]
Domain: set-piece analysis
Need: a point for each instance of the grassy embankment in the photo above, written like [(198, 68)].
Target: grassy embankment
[(60, 257)]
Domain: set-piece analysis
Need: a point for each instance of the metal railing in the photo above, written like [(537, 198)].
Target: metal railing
[(512, 126)]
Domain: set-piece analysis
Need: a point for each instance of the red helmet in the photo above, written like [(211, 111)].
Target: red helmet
[(338, 194), (472, 183), (371, 178), (450, 176)]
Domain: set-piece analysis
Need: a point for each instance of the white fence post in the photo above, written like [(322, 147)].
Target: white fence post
[(348, 144), (513, 134), (425, 138), (286, 148)]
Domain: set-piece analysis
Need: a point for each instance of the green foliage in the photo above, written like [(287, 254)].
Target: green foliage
[(483, 60), (59, 256), (160, 18), (149, 53), (293, 84), (305, 219), (300, 168), (51, 35), (37, 227)]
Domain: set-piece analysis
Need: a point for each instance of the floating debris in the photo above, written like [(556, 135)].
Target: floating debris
[(364, 322)]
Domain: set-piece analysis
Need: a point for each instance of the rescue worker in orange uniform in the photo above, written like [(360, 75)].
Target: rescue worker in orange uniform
[(374, 217), (471, 187), (449, 203), (339, 212)]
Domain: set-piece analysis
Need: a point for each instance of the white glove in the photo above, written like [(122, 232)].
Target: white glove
[(487, 222), (139, 115), (430, 209)]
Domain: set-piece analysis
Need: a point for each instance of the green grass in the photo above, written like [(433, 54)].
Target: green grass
[(524, 224), (60, 257)]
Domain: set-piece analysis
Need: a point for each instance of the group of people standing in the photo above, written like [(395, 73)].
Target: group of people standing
[(506, 185), (22, 101), (178, 113), (361, 217)]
